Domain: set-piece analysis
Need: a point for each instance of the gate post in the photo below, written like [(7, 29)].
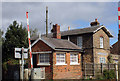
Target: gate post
[(116, 70)]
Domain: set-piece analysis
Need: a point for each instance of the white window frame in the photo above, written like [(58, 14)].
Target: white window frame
[(60, 59), (79, 41), (102, 60), (101, 42), (44, 59), (74, 57)]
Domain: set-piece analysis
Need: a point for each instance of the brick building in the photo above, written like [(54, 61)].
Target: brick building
[(61, 58), (93, 40), (115, 50), (91, 44)]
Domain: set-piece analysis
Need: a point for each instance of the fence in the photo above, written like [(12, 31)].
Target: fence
[(91, 69)]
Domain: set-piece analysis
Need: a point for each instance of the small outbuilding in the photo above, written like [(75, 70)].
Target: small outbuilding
[(60, 58)]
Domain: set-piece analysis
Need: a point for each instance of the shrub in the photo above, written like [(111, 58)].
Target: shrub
[(108, 74)]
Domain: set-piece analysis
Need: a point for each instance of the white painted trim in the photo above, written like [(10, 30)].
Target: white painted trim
[(52, 46), (35, 42), (100, 53), (42, 39), (60, 64), (46, 64), (42, 52), (100, 28), (74, 63)]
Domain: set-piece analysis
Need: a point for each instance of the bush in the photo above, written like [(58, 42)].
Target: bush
[(109, 74)]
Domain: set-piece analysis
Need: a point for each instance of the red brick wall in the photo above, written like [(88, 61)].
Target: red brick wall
[(41, 46), (53, 71), (56, 31), (66, 71)]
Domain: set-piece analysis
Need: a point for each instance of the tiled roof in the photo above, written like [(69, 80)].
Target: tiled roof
[(80, 31), (59, 44), (92, 29)]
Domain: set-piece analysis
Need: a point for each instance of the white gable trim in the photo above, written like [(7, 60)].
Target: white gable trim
[(42, 39), (101, 28), (52, 46), (35, 42)]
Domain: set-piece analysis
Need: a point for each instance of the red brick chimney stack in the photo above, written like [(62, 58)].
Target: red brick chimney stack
[(56, 31), (95, 23)]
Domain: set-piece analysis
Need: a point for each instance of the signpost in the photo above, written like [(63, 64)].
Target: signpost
[(21, 53), (18, 52)]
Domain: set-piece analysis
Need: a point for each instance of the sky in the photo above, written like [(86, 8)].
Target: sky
[(74, 14)]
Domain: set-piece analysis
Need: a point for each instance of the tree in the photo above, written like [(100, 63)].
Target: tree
[(1, 38), (16, 36)]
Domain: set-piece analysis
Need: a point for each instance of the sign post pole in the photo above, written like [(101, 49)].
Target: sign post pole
[(23, 54), (22, 63)]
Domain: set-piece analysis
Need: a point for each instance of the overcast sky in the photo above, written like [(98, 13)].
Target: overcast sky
[(74, 14)]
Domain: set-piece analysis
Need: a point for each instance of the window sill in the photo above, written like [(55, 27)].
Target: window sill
[(75, 64), (44, 64), (60, 64)]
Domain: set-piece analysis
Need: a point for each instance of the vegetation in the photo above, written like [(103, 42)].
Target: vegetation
[(109, 74), (16, 36), (110, 59)]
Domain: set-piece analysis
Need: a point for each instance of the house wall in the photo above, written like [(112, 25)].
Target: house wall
[(91, 46), (97, 51), (87, 46), (67, 71), (54, 71), (39, 47)]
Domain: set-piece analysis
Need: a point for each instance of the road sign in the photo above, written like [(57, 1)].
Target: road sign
[(18, 52)]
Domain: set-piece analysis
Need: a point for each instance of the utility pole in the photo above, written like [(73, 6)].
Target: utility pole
[(46, 21), (22, 64)]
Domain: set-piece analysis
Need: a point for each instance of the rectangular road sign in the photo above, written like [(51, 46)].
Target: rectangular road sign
[(18, 52)]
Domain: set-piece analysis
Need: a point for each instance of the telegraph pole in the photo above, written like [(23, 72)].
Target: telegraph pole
[(46, 21)]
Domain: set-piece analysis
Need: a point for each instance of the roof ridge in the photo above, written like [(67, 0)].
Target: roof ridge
[(55, 38), (82, 28)]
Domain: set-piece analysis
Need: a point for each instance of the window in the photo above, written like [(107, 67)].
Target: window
[(43, 58), (79, 41), (73, 58), (102, 60), (101, 42), (60, 58)]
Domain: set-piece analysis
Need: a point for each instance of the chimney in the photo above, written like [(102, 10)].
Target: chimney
[(56, 31), (68, 27), (95, 23)]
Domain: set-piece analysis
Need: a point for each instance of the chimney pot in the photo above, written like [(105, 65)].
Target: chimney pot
[(68, 27), (95, 23)]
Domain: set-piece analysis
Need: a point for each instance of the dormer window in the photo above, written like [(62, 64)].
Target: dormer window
[(101, 42)]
